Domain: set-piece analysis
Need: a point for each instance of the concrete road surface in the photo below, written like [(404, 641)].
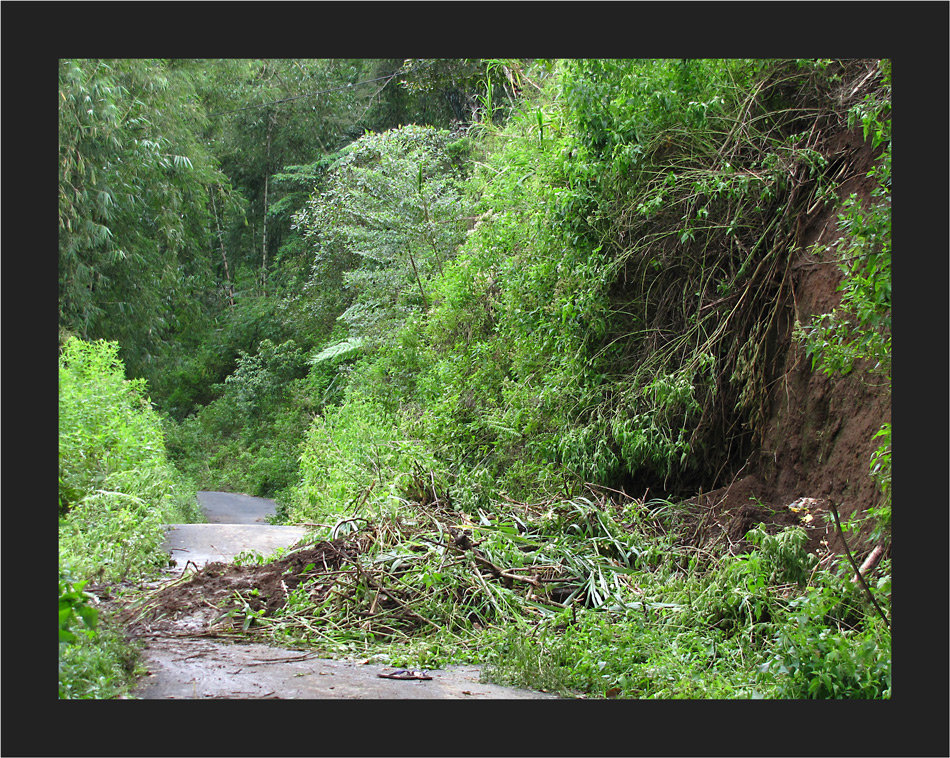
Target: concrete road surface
[(194, 669), (237, 524), (207, 543), (235, 508)]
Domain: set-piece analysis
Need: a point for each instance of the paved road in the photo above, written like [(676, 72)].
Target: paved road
[(235, 508), (236, 524), (197, 669)]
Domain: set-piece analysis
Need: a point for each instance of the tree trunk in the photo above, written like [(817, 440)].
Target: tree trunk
[(264, 243), (270, 125), (425, 300), (224, 257), (870, 563)]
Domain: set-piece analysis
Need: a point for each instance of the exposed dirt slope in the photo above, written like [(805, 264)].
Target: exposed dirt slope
[(818, 443)]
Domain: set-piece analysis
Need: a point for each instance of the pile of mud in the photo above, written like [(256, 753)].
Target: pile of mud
[(207, 595), (725, 516)]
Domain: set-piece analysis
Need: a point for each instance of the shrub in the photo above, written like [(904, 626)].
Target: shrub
[(116, 485), (831, 645), (354, 451)]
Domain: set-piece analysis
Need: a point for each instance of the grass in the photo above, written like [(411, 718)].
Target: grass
[(103, 666)]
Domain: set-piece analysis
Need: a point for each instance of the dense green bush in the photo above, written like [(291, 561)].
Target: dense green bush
[(74, 608), (764, 624), (614, 313), (117, 487), (95, 658), (117, 490), (354, 452), (99, 667)]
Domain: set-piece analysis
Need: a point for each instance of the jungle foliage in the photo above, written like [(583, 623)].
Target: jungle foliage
[(618, 310), (616, 317), (116, 485), (494, 288), (117, 489)]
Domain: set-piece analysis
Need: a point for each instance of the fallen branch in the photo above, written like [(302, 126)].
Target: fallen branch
[(870, 563), (462, 542), (379, 588), (857, 571), (187, 564), (546, 601), (500, 573), (288, 659), (335, 533)]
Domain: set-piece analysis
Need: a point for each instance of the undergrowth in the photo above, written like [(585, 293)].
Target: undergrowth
[(116, 485), (619, 309), (734, 632), (116, 491)]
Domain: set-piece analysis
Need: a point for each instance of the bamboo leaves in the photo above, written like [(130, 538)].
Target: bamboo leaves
[(130, 200)]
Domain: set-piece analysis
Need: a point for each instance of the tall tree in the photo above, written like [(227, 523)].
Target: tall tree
[(270, 114), (390, 217), (133, 201)]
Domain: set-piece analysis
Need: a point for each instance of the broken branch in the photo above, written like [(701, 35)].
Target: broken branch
[(857, 571)]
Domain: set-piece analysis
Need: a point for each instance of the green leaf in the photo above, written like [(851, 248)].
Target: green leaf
[(338, 351)]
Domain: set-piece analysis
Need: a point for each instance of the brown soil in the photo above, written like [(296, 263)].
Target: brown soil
[(818, 439), (191, 604)]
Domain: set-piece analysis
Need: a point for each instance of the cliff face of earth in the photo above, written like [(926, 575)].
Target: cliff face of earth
[(818, 441)]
